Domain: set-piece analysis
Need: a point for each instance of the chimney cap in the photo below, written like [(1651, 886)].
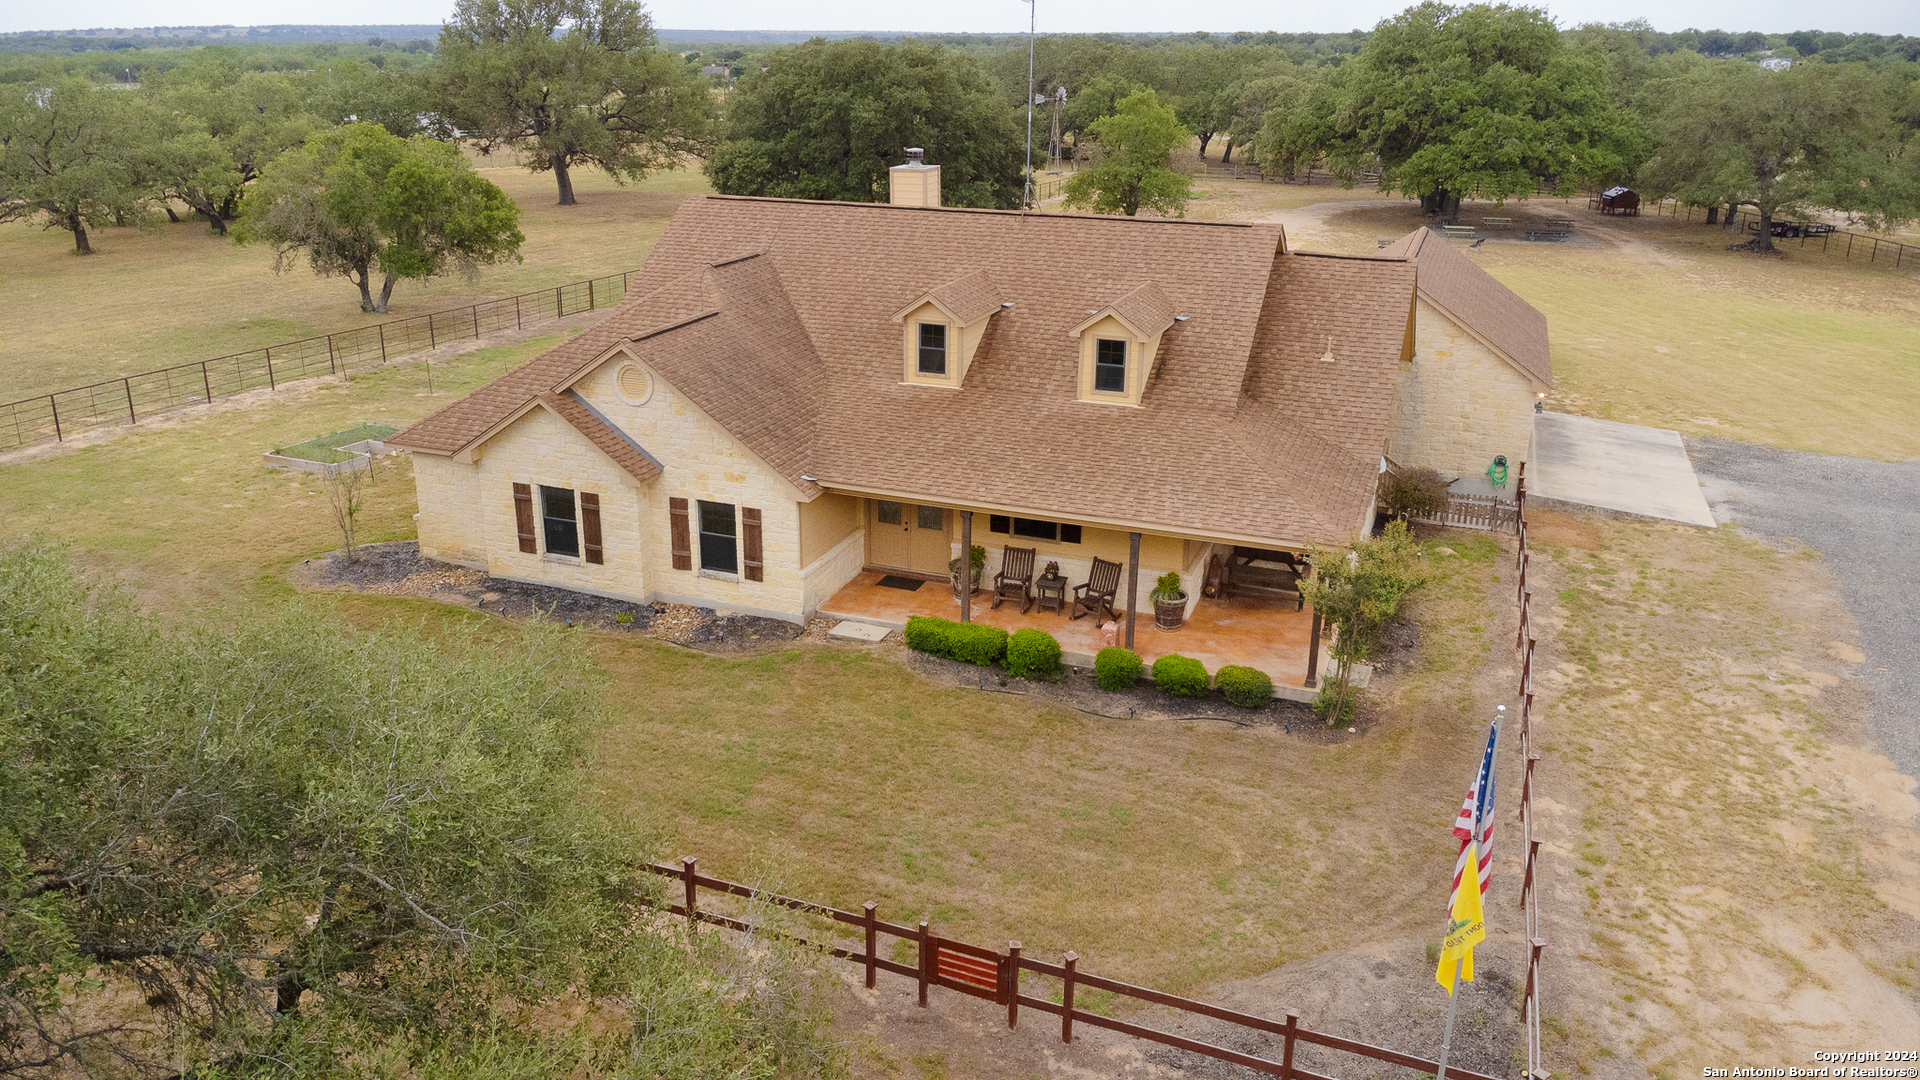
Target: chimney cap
[(916, 155)]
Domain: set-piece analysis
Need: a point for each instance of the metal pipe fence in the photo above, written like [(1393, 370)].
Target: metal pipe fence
[(1842, 242), (132, 398)]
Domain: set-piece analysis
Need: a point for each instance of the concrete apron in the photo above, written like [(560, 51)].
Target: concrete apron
[(1580, 463)]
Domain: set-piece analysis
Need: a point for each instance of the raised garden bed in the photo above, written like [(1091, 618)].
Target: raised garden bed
[(351, 448)]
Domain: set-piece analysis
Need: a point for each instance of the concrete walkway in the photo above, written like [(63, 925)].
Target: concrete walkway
[(1635, 470)]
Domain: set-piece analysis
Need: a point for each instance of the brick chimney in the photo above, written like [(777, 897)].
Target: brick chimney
[(915, 183)]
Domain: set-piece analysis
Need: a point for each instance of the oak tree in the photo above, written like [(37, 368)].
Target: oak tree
[(827, 119), (358, 199), (1484, 101), (1832, 136), (320, 852), (1133, 166), (571, 82), (67, 156)]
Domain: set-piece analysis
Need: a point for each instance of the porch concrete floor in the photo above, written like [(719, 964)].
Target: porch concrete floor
[(1267, 635)]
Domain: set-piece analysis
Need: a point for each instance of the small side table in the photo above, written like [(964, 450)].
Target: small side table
[(1051, 593)]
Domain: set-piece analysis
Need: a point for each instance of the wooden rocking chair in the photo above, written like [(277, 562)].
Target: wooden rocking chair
[(1015, 579), (1097, 593)]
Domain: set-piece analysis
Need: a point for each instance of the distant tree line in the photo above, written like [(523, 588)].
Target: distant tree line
[(1442, 103)]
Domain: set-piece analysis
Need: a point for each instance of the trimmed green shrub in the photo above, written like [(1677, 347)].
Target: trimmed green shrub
[(969, 643), (1249, 688), (1116, 668), (1181, 675), (1032, 652)]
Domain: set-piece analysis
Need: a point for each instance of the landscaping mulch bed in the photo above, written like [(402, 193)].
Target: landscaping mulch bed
[(1076, 689), (398, 569)]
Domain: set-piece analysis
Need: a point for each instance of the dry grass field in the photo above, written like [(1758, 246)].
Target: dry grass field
[(147, 300)]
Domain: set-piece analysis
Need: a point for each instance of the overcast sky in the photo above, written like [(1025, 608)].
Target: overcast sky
[(986, 16)]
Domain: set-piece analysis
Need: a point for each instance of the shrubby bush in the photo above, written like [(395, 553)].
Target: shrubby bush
[(1249, 688), (1032, 652), (969, 643), (1182, 676), (1117, 668)]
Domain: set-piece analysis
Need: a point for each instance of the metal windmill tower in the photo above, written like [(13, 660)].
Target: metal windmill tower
[(1059, 102)]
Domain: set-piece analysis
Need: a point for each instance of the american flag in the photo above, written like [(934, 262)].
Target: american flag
[(1477, 808)]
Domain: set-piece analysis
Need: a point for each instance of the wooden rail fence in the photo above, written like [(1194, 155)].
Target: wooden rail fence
[(996, 976), (1524, 642), (1469, 511), (132, 398)]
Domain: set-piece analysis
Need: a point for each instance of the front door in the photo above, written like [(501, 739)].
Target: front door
[(905, 536)]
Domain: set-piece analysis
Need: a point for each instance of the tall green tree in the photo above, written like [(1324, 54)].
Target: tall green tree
[(217, 125), (827, 119), (572, 82), (68, 156), (1359, 590), (1134, 165), (1482, 101), (324, 853), (358, 198), (1816, 136)]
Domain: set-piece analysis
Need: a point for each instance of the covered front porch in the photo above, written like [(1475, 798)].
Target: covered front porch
[(1273, 636)]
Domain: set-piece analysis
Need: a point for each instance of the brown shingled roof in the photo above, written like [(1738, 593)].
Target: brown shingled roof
[(794, 351), (612, 442), (1147, 309), (968, 298), (1478, 302)]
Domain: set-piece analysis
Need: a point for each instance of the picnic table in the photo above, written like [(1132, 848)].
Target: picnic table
[(1794, 229), (1555, 230)]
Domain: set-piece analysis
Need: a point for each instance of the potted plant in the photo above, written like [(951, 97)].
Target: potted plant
[(1169, 602), (979, 566), (1053, 570)]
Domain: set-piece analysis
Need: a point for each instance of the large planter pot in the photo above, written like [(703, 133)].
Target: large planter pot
[(1169, 614), (953, 575)]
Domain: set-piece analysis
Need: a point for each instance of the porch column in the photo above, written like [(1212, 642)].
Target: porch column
[(1313, 651), (1133, 583), (966, 566)]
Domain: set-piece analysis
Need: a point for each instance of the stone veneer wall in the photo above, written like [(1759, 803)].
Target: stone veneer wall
[(1457, 404), (467, 510)]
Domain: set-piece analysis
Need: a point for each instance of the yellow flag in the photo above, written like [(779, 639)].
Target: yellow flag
[(1466, 925)]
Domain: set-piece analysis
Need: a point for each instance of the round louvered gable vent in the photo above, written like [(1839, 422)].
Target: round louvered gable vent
[(635, 385)]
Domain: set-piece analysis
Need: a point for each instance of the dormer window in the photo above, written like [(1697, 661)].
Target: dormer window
[(942, 328), (933, 349), (1110, 366), (1119, 345)]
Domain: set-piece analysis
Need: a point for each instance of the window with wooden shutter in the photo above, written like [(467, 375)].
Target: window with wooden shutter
[(523, 517), (682, 535), (590, 527), (750, 540)]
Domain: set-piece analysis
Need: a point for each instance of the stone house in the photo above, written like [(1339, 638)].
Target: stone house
[(1479, 362), (793, 392)]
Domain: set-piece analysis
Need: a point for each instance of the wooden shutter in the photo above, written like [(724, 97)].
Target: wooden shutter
[(590, 527), (523, 517), (750, 543), (682, 535)]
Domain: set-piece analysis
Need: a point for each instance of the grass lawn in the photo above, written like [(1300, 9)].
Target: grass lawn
[(180, 294)]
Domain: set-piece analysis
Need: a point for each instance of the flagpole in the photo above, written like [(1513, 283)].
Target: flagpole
[(1453, 1002)]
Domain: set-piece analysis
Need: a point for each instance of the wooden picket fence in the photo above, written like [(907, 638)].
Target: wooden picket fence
[(999, 976), (1469, 511), (1525, 642), (132, 398)]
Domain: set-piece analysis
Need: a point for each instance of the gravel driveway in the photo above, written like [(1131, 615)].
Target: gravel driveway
[(1864, 516)]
